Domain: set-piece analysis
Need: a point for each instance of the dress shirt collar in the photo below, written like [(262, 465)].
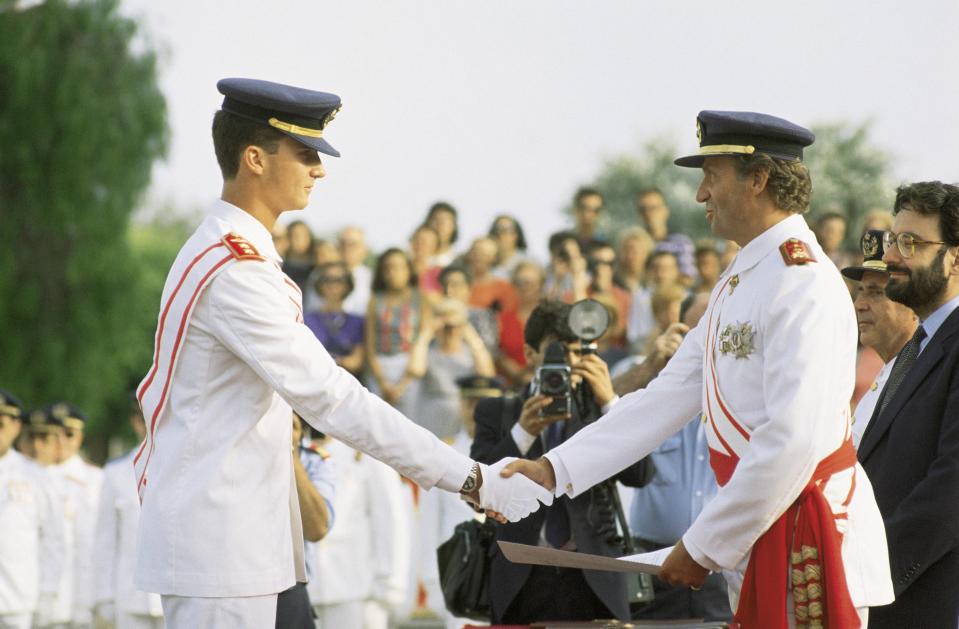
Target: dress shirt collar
[(248, 227), (936, 319), (759, 247)]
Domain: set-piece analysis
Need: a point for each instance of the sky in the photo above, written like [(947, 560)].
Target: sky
[(510, 106)]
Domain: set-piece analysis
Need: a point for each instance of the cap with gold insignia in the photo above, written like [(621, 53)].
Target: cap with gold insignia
[(745, 133), (474, 386), (872, 252), (10, 405), (300, 113), (58, 414)]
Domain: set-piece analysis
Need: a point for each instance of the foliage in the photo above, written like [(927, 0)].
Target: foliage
[(849, 174), (83, 122)]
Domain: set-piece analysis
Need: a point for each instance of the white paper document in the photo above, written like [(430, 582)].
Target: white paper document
[(649, 563)]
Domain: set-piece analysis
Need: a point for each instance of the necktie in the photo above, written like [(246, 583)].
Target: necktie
[(557, 520), (907, 356)]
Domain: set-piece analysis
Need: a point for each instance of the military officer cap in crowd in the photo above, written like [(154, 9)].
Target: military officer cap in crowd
[(299, 113), (746, 133), (10, 405), (61, 414), (872, 251), (479, 386)]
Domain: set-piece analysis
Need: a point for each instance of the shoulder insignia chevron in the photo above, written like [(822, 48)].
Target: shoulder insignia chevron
[(796, 251), (241, 248)]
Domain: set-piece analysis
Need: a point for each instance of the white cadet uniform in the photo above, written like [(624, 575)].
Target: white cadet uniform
[(232, 357), (363, 559), (31, 541), (114, 552), (86, 480), (784, 362), (867, 403)]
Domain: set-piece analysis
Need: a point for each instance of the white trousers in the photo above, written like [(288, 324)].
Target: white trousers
[(242, 612), (341, 615), (15, 621)]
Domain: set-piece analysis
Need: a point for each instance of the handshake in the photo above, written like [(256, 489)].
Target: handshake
[(512, 488)]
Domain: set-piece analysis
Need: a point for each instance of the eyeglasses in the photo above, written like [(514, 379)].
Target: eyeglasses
[(906, 243)]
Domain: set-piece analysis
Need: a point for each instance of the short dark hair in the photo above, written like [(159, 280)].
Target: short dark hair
[(379, 282), (320, 273), (232, 134), (829, 216), (586, 191), (450, 270), (557, 240), (655, 255), (932, 197), (520, 236), (789, 183), (549, 319), (444, 206)]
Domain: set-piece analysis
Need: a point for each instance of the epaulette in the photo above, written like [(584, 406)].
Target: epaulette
[(796, 251), (241, 248)]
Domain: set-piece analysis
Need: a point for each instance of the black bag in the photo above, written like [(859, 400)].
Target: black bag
[(464, 566)]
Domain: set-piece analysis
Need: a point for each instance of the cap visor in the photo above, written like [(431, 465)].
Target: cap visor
[(318, 144), (853, 272)]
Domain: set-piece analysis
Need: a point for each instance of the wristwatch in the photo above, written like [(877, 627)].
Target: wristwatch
[(471, 480)]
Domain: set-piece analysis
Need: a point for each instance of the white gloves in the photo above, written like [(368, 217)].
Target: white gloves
[(515, 497)]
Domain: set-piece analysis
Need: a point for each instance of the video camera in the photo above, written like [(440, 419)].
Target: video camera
[(588, 320)]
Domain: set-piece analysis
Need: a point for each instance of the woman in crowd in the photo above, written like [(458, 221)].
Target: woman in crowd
[(510, 241), (340, 332), (442, 218), (457, 284), (665, 302), (396, 316), (300, 256), (602, 266), (448, 349), (423, 246), (528, 279)]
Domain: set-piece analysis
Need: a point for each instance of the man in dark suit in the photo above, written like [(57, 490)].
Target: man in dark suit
[(910, 449), (521, 594)]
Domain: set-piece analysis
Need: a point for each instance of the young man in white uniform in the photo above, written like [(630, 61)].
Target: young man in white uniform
[(220, 531), (794, 526)]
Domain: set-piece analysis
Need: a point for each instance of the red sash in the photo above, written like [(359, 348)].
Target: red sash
[(813, 561)]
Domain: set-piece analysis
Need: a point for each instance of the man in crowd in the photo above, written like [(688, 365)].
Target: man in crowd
[(220, 533), (772, 370), (654, 214), (516, 427), (117, 601), (31, 553), (353, 249), (587, 212), (884, 325), (910, 449)]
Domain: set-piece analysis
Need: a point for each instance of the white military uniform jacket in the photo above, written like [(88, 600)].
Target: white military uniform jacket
[(365, 554), (115, 543), (31, 535), (785, 351), (220, 516)]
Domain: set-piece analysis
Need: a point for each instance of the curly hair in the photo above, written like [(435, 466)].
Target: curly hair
[(929, 198), (789, 182)]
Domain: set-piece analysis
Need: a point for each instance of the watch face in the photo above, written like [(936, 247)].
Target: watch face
[(469, 485)]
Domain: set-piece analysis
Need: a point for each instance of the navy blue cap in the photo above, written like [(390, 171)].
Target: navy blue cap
[(299, 113), (479, 386), (10, 405), (58, 414), (745, 133), (872, 252)]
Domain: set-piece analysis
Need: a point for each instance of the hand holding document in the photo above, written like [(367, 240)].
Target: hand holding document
[(650, 563)]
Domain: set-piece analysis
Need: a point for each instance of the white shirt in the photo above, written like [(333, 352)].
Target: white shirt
[(867, 403), (86, 480), (791, 389), (358, 300), (31, 534), (220, 514), (115, 542)]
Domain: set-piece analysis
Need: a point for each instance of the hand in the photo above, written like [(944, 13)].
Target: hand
[(595, 371), (530, 419), (514, 498), (539, 471), (681, 569), (667, 344)]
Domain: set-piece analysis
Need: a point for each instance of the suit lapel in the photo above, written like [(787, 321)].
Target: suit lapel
[(927, 360)]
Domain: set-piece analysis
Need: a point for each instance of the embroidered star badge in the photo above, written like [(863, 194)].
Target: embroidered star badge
[(737, 339)]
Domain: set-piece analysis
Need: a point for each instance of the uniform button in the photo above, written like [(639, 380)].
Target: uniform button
[(569, 487), (701, 457)]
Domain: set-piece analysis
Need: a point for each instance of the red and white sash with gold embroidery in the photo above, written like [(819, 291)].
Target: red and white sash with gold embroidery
[(801, 552)]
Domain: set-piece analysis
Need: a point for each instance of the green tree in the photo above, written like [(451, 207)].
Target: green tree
[(83, 122), (850, 175)]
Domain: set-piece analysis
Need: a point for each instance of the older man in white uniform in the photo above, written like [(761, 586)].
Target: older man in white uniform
[(794, 527), (220, 531)]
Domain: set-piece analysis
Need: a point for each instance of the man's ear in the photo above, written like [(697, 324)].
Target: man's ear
[(253, 159), (954, 267), (758, 179), (530, 354)]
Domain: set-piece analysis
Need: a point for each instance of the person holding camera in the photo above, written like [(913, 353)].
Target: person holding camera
[(572, 388)]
